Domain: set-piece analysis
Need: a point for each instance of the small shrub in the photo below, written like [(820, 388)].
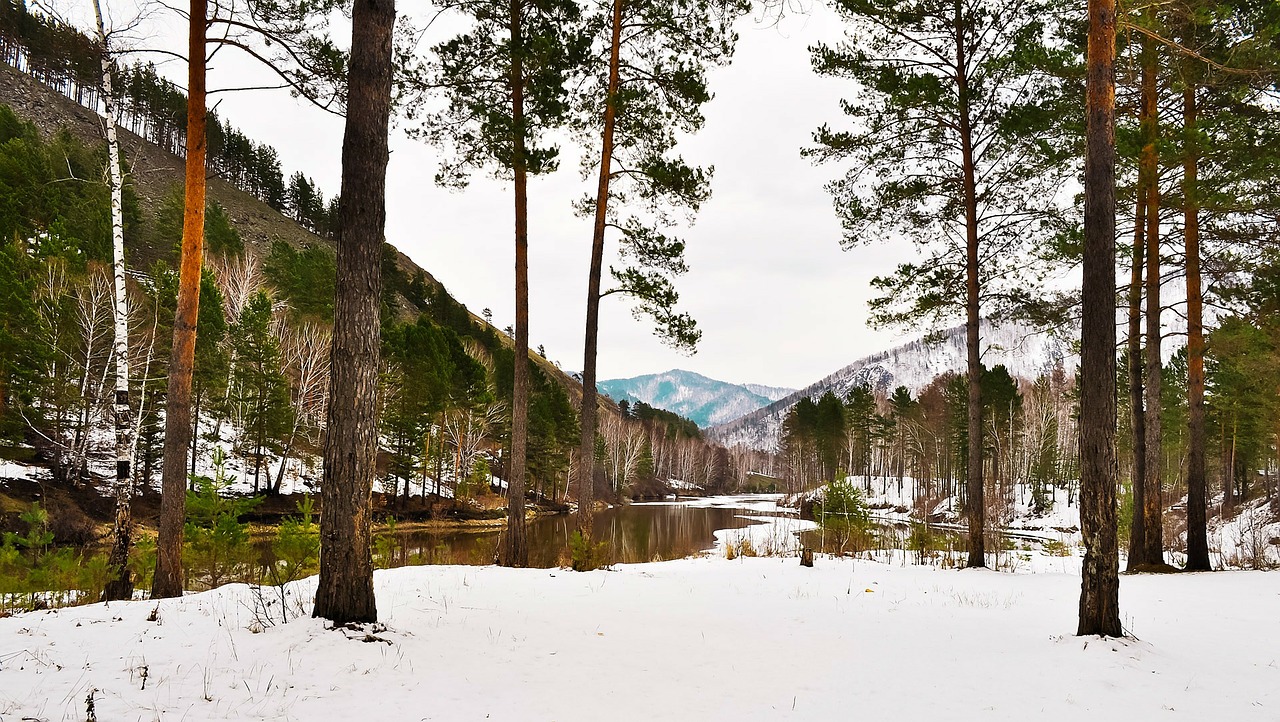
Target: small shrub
[(296, 546), (38, 537), (843, 516), (296, 549), (217, 547), (922, 542), (1055, 548), (142, 561), (584, 555), (35, 575)]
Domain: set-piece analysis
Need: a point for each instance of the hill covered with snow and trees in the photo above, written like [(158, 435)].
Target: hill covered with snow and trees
[(703, 400), (1025, 352)]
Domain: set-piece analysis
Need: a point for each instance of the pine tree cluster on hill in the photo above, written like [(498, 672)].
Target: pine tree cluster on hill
[(151, 107)]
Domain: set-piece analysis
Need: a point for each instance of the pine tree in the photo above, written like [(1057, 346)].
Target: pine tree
[(261, 388), (1100, 583), (505, 81), (651, 85), (167, 581), (344, 593), (948, 150)]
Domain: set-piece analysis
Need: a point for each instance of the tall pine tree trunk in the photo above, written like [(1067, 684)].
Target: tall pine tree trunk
[(1197, 488), (1133, 358), (177, 416), (515, 546), (122, 530), (587, 442), (345, 590), (1153, 538), (1100, 581), (976, 503)]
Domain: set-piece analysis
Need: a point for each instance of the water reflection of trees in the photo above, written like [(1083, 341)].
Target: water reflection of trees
[(634, 534)]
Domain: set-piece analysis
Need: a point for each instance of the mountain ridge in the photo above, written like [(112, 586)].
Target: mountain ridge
[(1026, 351), (704, 400)]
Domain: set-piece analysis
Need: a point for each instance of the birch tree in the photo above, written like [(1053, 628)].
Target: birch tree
[(467, 429), (305, 347), (122, 528)]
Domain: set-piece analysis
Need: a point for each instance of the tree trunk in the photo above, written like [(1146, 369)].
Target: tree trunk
[(976, 504), (1197, 487), (1100, 580), (258, 452), (440, 459), (284, 461), (195, 434), (515, 547), (1137, 476), (177, 421), (586, 446), (344, 593), (122, 531), (1229, 467), (1153, 540)]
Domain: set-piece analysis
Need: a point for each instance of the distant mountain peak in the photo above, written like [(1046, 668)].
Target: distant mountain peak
[(704, 400)]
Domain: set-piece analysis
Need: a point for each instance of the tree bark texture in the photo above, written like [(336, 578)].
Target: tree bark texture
[(515, 546), (344, 594), (1133, 358), (1099, 611), (121, 587), (177, 422), (1197, 487), (587, 442), (1153, 540), (975, 505)]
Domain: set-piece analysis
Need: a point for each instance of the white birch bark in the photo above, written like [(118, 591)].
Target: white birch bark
[(122, 531)]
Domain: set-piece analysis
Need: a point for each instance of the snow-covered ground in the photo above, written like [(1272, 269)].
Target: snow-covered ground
[(25, 472), (697, 639)]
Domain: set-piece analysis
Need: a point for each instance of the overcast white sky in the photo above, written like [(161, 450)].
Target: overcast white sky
[(777, 300)]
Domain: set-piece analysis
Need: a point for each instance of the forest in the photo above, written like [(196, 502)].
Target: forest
[(188, 403)]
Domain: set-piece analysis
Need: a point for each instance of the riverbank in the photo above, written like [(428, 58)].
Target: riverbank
[(82, 515), (705, 638)]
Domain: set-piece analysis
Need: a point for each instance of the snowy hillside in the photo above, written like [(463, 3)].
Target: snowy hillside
[(1025, 351), (773, 393), (703, 400)]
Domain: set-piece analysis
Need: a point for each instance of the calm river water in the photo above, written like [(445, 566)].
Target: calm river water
[(634, 533)]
